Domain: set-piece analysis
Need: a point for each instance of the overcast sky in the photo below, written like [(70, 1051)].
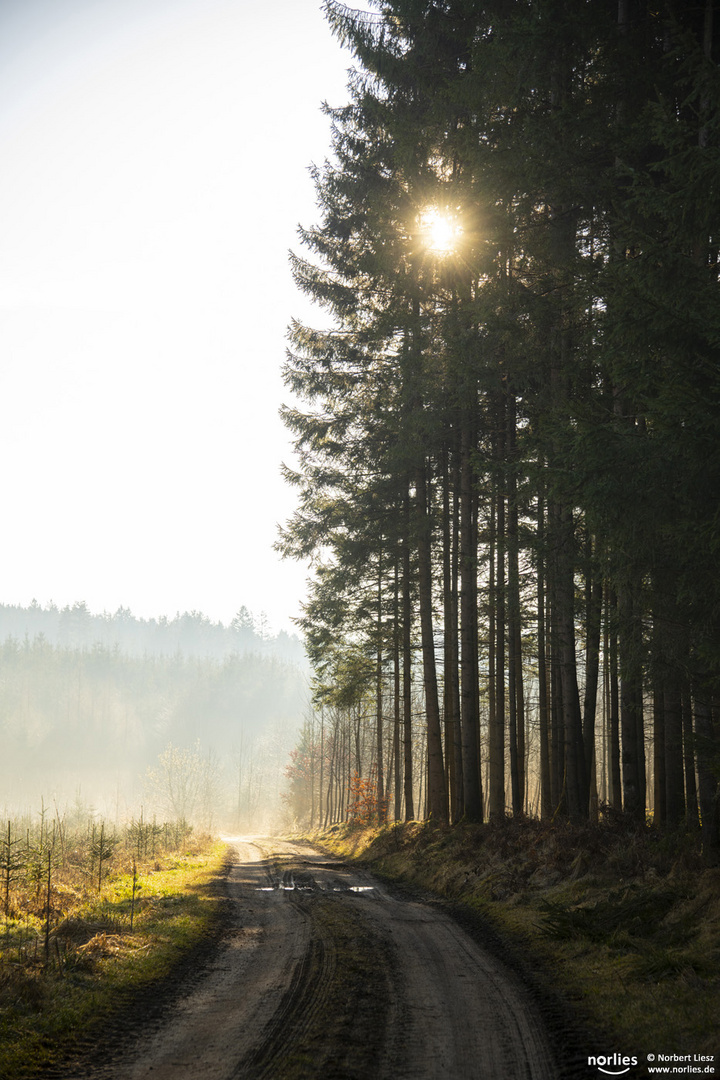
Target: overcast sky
[(153, 170)]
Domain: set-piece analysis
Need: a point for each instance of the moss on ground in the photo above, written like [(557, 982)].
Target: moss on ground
[(623, 925)]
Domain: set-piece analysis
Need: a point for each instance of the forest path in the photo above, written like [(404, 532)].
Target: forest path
[(323, 973)]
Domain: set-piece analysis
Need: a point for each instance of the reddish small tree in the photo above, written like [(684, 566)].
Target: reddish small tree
[(364, 807)]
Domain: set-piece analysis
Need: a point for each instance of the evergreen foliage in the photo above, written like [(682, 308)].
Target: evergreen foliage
[(508, 452)]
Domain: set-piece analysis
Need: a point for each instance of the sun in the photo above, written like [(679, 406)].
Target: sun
[(441, 230)]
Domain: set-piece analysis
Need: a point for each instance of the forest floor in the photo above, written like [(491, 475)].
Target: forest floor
[(619, 927)]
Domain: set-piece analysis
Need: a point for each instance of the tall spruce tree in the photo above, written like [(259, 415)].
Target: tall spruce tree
[(539, 398)]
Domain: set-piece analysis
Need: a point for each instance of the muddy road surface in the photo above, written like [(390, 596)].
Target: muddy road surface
[(323, 973)]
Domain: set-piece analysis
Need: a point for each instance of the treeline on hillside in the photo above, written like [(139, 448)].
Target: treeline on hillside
[(190, 633), (96, 720), (509, 447)]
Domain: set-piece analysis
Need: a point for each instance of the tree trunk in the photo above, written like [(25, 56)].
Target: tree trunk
[(692, 810), (706, 738), (496, 741), (659, 801), (451, 688), (436, 789), (576, 787), (516, 697), (407, 672), (458, 805), (593, 623), (557, 743), (614, 775), (379, 749), (546, 803), (469, 702), (397, 699), (631, 705)]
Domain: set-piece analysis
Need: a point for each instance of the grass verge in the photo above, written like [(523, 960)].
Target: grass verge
[(623, 926), (66, 990)]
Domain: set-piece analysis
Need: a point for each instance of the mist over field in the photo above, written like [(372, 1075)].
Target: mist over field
[(176, 717)]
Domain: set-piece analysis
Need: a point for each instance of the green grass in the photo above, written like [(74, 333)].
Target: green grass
[(96, 963)]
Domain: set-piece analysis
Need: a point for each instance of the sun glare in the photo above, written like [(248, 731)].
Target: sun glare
[(441, 231)]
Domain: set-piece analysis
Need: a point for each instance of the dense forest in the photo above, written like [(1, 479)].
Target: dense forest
[(507, 423), (185, 717), (190, 633)]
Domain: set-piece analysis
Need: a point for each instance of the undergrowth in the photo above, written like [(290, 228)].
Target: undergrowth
[(623, 924), (61, 978)]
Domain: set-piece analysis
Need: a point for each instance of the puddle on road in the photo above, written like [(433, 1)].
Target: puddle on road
[(310, 888), (284, 888)]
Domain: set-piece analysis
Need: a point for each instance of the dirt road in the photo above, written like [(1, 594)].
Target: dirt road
[(324, 974)]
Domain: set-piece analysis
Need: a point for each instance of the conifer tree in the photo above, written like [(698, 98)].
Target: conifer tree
[(539, 397)]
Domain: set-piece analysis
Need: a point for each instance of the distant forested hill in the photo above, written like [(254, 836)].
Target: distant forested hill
[(190, 633), (88, 703)]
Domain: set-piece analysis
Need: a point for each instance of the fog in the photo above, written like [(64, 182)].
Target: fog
[(154, 167), (177, 718)]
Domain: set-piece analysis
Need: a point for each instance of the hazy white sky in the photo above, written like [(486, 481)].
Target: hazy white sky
[(153, 169)]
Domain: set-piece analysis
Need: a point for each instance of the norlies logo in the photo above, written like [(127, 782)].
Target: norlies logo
[(610, 1064)]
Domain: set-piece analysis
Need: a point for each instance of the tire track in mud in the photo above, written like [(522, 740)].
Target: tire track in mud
[(323, 973), (310, 983), (453, 1010), (332, 1019)]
